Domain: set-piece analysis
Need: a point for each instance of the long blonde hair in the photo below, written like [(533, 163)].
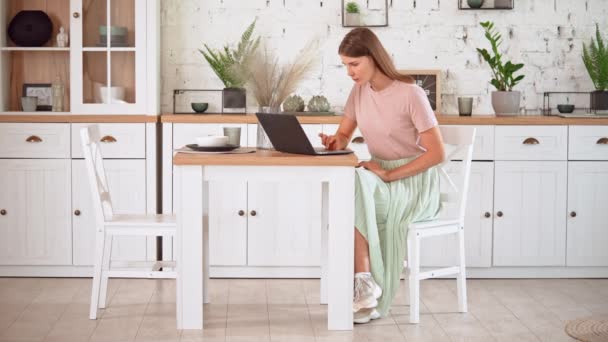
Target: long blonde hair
[(361, 42)]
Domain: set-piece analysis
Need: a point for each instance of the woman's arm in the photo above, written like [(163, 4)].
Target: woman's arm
[(340, 140), (435, 154)]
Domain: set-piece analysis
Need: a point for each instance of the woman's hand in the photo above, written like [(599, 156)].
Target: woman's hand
[(377, 169), (334, 142)]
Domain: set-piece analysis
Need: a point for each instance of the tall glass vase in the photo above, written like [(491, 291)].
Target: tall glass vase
[(262, 141)]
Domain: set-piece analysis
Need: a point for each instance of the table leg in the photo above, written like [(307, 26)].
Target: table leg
[(324, 237), (189, 203), (340, 267)]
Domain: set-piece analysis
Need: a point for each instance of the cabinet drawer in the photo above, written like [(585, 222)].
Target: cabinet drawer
[(117, 140), (531, 142), (25, 140), (588, 143), (357, 142)]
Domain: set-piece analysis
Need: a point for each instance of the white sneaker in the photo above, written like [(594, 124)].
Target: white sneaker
[(366, 292), (365, 315)]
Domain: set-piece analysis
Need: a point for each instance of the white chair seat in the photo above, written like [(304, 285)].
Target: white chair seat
[(156, 221), (434, 224)]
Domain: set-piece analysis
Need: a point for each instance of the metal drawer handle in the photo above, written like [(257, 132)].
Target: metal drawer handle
[(241, 213), (2, 212), (33, 139), (499, 214), (358, 140), (573, 214), (76, 15), (487, 214), (253, 213), (531, 141), (602, 141), (77, 212), (108, 139)]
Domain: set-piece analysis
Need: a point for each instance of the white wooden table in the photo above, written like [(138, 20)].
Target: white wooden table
[(336, 173)]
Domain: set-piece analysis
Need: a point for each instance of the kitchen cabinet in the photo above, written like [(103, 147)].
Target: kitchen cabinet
[(35, 227), (441, 250)]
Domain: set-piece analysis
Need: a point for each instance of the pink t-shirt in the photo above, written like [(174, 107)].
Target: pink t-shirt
[(391, 119)]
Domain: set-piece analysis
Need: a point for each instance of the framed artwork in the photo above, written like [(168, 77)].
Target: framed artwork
[(430, 81), (364, 13), (44, 93)]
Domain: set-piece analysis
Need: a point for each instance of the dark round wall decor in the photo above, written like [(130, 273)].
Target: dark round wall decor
[(30, 28)]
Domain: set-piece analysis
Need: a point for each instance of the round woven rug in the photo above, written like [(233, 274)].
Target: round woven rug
[(590, 329)]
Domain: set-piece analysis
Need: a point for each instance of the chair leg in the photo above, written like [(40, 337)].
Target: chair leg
[(414, 282), (105, 268), (99, 248), (461, 279)]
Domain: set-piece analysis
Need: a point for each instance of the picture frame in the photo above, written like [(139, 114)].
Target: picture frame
[(44, 93), (364, 13), (430, 81)]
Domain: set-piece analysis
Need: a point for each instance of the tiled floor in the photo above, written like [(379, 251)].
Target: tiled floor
[(45, 309)]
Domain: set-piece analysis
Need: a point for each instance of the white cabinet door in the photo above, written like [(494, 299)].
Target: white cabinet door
[(587, 214), (127, 180), (442, 250), (109, 76), (286, 227), (228, 223), (35, 227), (530, 213)]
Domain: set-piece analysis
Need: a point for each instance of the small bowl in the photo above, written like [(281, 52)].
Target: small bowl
[(199, 107), (565, 108), (212, 141)]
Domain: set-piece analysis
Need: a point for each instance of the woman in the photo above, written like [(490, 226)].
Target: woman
[(399, 185)]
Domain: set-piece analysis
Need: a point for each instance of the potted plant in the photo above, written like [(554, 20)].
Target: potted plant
[(352, 15), (271, 83), (505, 101), (231, 66), (595, 58)]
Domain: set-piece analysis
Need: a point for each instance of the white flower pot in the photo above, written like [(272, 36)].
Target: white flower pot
[(506, 103), (352, 19)]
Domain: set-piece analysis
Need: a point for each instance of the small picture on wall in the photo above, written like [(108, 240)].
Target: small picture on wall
[(364, 13), (43, 92)]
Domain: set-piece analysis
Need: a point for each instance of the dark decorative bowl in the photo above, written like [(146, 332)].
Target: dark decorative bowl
[(565, 108), (30, 28), (199, 107)]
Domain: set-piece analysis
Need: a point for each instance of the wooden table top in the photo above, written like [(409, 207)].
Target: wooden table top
[(264, 158)]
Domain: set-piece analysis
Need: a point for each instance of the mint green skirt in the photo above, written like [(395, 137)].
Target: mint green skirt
[(383, 212)]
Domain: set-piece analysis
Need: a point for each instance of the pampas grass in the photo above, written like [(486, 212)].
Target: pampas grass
[(271, 83)]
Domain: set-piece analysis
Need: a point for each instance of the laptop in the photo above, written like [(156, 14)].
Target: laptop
[(286, 135)]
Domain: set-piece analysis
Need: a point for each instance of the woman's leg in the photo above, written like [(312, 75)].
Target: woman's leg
[(361, 253)]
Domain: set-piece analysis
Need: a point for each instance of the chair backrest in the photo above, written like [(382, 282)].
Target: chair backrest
[(458, 142), (100, 190)]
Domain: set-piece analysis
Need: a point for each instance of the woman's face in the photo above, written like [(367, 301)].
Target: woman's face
[(360, 69)]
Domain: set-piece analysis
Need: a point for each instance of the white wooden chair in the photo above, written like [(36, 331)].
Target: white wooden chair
[(108, 225), (458, 141)]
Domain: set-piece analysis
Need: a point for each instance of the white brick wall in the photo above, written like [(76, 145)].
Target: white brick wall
[(545, 35)]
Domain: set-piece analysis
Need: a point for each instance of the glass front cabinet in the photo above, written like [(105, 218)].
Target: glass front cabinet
[(105, 63)]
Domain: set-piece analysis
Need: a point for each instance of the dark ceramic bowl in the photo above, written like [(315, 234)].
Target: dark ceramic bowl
[(199, 107), (565, 108)]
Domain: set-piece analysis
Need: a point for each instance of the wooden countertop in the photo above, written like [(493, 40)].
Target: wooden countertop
[(443, 119), (72, 118), (265, 158)]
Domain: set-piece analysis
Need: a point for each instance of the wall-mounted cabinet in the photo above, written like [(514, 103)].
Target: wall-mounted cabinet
[(108, 66)]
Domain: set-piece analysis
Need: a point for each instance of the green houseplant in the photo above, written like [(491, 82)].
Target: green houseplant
[(505, 101), (232, 67), (352, 17), (595, 57)]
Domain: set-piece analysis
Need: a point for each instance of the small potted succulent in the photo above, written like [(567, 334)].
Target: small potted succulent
[(505, 100), (595, 57), (352, 17), (232, 68)]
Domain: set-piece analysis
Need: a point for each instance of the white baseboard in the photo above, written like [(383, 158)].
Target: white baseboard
[(314, 272)]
